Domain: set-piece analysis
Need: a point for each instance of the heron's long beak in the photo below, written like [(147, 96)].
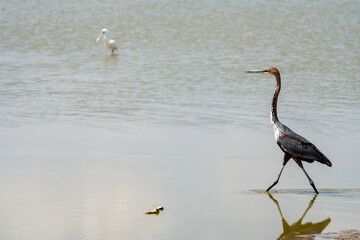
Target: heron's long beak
[(99, 37), (256, 71)]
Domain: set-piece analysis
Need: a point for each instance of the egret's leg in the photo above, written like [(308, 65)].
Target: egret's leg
[(286, 159), (307, 175)]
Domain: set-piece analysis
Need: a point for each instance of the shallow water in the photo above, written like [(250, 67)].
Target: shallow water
[(90, 142)]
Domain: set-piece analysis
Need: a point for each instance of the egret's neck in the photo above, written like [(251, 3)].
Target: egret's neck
[(105, 38), (273, 110)]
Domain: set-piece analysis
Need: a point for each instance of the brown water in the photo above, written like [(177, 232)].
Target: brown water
[(89, 141)]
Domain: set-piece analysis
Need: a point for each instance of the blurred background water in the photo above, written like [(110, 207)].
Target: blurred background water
[(89, 141)]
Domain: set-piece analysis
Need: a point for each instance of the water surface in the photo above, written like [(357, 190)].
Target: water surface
[(89, 141)]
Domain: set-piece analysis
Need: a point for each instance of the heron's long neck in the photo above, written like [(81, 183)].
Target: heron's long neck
[(273, 109)]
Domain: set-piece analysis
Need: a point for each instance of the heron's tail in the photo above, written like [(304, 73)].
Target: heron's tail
[(322, 158)]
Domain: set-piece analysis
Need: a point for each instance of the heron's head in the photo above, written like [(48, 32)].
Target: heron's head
[(270, 70)]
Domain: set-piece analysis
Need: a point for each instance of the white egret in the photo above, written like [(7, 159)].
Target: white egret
[(109, 43)]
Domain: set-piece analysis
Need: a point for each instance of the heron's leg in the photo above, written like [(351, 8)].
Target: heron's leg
[(286, 159), (307, 175)]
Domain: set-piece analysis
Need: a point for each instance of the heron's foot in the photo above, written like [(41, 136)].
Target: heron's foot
[(272, 185), (313, 186)]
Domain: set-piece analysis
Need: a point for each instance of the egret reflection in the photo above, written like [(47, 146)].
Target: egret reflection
[(110, 57), (299, 229)]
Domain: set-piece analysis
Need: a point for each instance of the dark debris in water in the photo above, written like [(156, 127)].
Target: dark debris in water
[(155, 211)]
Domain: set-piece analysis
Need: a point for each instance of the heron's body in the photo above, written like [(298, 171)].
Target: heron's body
[(292, 144), (109, 43), (298, 146)]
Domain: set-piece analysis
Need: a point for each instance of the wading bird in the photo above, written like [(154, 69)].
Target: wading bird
[(109, 43), (293, 145)]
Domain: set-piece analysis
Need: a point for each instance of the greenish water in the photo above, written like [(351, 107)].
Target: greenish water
[(90, 142)]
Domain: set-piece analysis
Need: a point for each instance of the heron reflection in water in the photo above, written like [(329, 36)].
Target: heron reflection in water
[(299, 229)]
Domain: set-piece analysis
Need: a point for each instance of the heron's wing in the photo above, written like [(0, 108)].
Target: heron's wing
[(299, 146), (291, 134)]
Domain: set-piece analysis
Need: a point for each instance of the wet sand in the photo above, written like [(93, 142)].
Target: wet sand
[(350, 234), (100, 182)]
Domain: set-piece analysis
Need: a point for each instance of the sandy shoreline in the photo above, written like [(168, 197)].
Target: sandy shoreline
[(350, 234)]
